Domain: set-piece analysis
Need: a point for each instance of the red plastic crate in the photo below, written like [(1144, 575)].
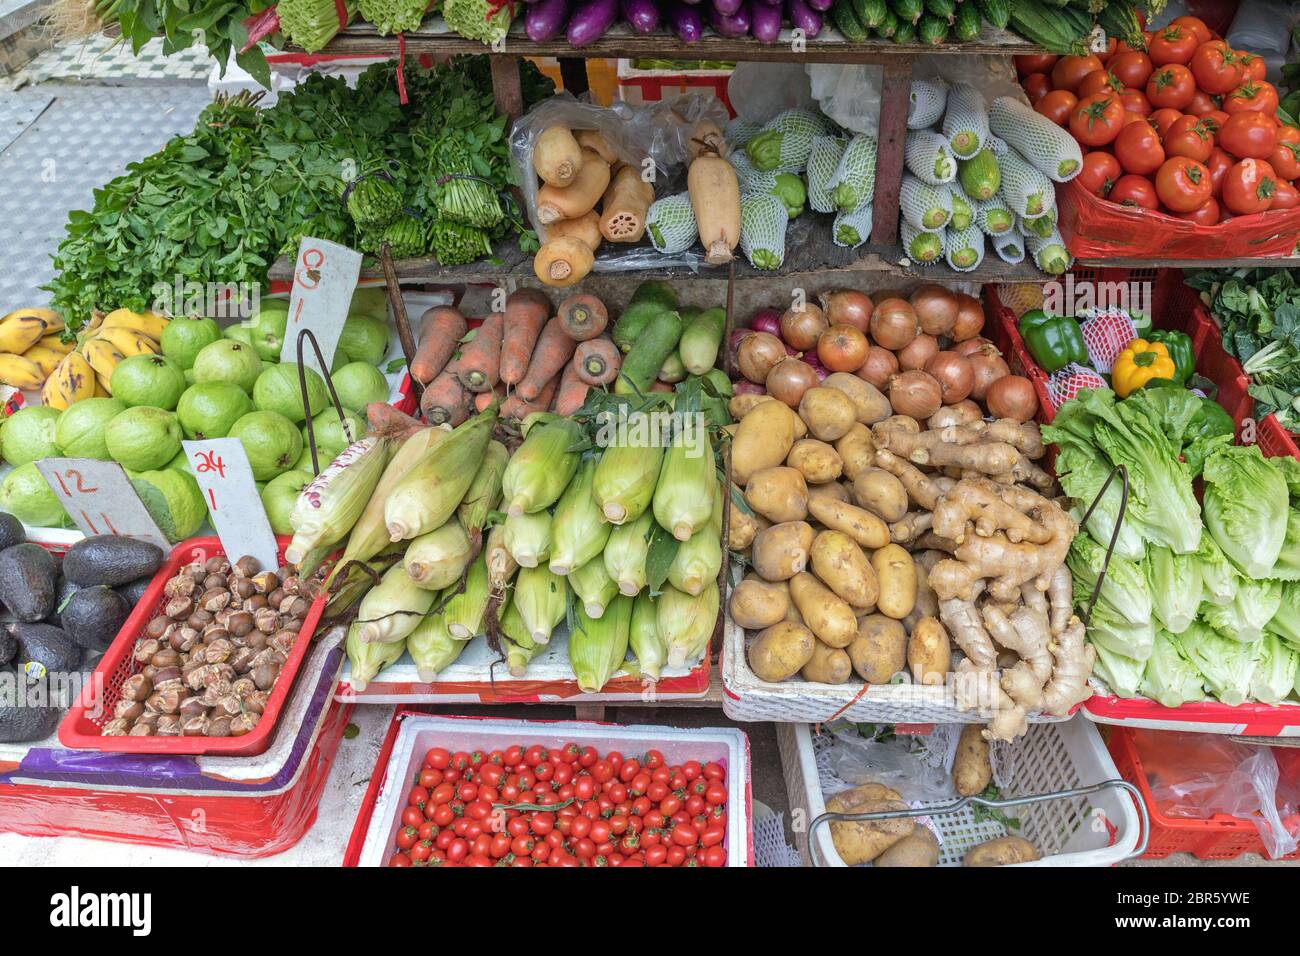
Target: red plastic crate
[(1221, 837), (83, 722)]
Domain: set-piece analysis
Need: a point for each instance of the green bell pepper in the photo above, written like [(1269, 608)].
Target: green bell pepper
[(1179, 347), (1054, 341)]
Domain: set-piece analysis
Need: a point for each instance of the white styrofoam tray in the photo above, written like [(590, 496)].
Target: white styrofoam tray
[(420, 732), (1098, 830)]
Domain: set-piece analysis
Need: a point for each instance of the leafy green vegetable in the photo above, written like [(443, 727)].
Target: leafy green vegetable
[(1218, 576), (1108, 630), (1123, 675), (1252, 607), (1174, 581), (183, 23), (1285, 622), (1245, 505), (1170, 677), (1226, 665), (485, 20), (1275, 673), (1124, 591), (1082, 471)]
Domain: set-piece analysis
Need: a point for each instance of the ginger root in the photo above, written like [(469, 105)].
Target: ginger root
[(911, 526), (960, 446), (1060, 596), (963, 622), (982, 502), (1074, 662)]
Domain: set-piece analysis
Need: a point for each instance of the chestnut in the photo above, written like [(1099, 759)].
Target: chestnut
[(157, 627), (247, 566), (179, 607), (128, 709), (219, 727), (116, 728), (166, 657), (145, 649), (195, 727), (137, 687)]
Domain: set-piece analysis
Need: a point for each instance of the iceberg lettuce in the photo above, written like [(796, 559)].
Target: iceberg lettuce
[(1174, 581), (1246, 507), (1124, 591), (1170, 678), (1226, 665), (1275, 674), (1252, 607)]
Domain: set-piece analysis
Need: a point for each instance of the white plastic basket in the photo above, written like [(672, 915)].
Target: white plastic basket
[(1099, 830)]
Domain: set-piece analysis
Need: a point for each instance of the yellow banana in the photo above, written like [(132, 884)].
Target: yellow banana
[(103, 357), (150, 323), (20, 330), (55, 341), (72, 381), (20, 372), (128, 341), (100, 390), (53, 321), (47, 358)]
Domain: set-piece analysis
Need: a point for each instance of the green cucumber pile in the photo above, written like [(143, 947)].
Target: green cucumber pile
[(918, 21)]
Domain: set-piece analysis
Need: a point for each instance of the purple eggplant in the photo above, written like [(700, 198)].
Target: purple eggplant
[(805, 18), (765, 22), (727, 7), (643, 15), (590, 20), (735, 25), (685, 21), (544, 19), (821, 6)]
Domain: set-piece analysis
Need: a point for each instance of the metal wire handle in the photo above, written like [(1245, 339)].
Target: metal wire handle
[(306, 403), (1122, 471), (1144, 827)]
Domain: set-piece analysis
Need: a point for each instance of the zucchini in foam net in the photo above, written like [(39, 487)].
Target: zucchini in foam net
[(823, 160), (741, 130), (1048, 147), (926, 104), (923, 248), (964, 249), (924, 206), (929, 158), (763, 219), (1050, 254), (786, 141), (854, 182), (1041, 227), (965, 120), (980, 176), (963, 214), (1027, 191), (852, 229), (1010, 247), (670, 224), (993, 216)]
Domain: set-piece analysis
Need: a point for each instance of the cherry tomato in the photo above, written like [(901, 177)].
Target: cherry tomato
[(412, 816), (460, 761), (1035, 63), (684, 834), (1138, 149), (535, 755), (654, 855), (570, 753), (716, 794), (1286, 196), (543, 823), (1172, 45), (1096, 120), (544, 771), (429, 830), (1069, 71), (400, 859), (1195, 26), (421, 851), (1285, 158), (1134, 191), (1193, 140), (676, 856), (602, 771), (715, 856), (491, 775), (670, 805), (1100, 170), (1253, 96), (1183, 184), (541, 852), (514, 756), (437, 758), (429, 778), (1249, 135), (407, 837), (653, 759), (1249, 187), (418, 797), (1171, 86)]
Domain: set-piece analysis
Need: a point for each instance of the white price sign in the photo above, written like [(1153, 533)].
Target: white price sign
[(324, 278), (226, 479), (99, 498)]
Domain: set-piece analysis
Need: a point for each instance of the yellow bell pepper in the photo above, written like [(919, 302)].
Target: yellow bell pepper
[(1139, 363)]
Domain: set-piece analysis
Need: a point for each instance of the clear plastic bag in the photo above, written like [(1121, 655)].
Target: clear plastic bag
[(917, 767)]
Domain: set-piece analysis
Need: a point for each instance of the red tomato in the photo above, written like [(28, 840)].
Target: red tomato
[(684, 834), (1285, 158), (1100, 170), (400, 859), (407, 837), (656, 855), (437, 758), (412, 816), (1037, 85), (1183, 184), (1112, 45), (1285, 197), (1215, 68), (1201, 104), (653, 759), (1134, 191), (1249, 187), (1252, 67), (1069, 71), (1172, 45), (1257, 96), (1171, 86), (1057, 105), (1034, 63), (1193, 140), (1099, 81), (1096, 120), (628, 771), (1249, 135), (1135, 101), (676, 856), (1163, 119), (1131, 68), (715, 856), (1195, 26), (422, 851)]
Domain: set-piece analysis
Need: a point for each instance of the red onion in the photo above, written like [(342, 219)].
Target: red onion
[(746, 387), (766, 320)]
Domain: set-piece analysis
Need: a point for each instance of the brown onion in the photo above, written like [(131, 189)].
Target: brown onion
[(848, 307), (936, 308), (894, 324), (954, 375), (915, 394), (842, 348), (971, 346), (789, 379), (880, 365), (1012, 396), (918, 351), (987, 366), (802, 328), (970, 318), (757, 353)]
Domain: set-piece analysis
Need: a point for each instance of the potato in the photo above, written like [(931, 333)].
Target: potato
[(972, 770), (780, 651), (817, 461), (828, 665), (896, 575), (834, 490), (859, 524), (925, 603), (857, 450), (742, 405), (793, 613), (763, 439), (929, 653), (826, 615), (778, 494), (919, 848), (781, 551), (869, 404), (862, 841), (1003, 851), (880, 649), (880, 493), (840, 563), (828, 413), (742, 526), (756, 604)]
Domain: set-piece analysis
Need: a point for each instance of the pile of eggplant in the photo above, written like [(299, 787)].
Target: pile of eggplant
[(586, 21)]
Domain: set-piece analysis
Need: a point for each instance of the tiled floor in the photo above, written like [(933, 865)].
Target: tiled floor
[(109, 61)]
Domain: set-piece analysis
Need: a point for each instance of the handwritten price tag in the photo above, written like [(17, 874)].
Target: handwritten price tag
[(226, 479), (99, 498), (324, 279)]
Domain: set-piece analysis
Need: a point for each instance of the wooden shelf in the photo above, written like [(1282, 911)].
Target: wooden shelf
[(1262, 262), (622, 41)]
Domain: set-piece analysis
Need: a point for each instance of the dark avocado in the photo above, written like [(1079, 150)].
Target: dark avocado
[(134, 591), (28, 581), (8, 648), (93, 616), (22, 723), (43, 648), (111, 560), (11, 531), (66, 590)]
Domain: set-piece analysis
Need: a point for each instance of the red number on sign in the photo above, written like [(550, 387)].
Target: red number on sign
[(309, 275), (210, 461), (78, 481)]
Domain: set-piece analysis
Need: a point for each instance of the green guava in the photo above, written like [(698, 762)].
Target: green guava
[(278, 390), (228, 361), (267, 328), (330, 435), (174, 500), (80, 431), (148, 380), (208, 409), (271, 442), (185, 336), (363, 340), (280, 495), (29, 435), (143, 438), (358, 384), (27, 496)]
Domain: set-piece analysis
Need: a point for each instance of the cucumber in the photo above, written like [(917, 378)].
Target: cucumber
[(847, 22), (657, 340), (980, 176), (701, 340), (647, 302), (1119, 19), (966, 26), (906, 33), (1050, 27), (947, 9), (996, 12), (932, 30), (870, 12), (908, 10), (889, 25)]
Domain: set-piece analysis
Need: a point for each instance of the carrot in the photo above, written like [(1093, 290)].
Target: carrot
[(526, 313), (388, 422), (584, 316), (586, 228), (554, 349), (572, 392), (518, 407), (563, 261), (597, 361), (480, 357), (445, 400), (483, 399), (625, 205), (557, 156), (441, 329), (577, 198)]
